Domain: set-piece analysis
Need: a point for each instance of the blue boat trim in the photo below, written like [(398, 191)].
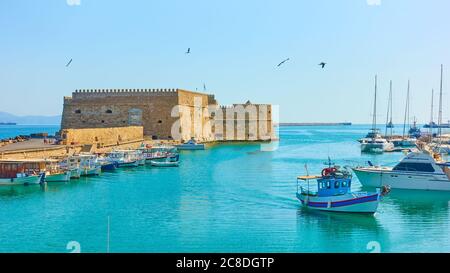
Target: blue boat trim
[(343, 203)]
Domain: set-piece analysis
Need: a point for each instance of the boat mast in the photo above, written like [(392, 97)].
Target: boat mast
[(389, 111), (431, 118), (374, 121), (390, 121), (440, 108), (406, 112)]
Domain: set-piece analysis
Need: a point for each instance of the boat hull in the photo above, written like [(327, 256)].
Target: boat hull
[(349, 203), (397, 180), (109, 166), (141, 162), (29, 180), (164, 164), (60, 177), (128, 164), (376, 147), (75, 173), (191, 147), (91, 171)]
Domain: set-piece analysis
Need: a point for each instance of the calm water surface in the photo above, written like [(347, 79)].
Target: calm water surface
[(228, 198)]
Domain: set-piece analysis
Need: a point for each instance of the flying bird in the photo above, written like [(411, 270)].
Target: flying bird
[(69, 63), (282, 62), (188, 50), (322, 64)]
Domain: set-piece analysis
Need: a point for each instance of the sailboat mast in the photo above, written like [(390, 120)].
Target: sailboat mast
[(389, 110), (406, 112), (440, 105), (374, 121), (390, 121), (431, 117)]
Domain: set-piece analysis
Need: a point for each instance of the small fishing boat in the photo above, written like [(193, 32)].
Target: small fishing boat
[(72, 164), (191, 145), (89, 165), (170, 161), (158, 153), (55, 173), (334, 193), (57, 177), (106, 164), (21, 172), (126, 158)]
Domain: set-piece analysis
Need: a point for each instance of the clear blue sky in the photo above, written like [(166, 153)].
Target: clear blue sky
[(235, 46)]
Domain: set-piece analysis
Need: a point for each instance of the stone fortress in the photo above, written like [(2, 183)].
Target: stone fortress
[(108, 116)]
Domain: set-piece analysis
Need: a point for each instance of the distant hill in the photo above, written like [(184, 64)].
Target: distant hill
[(30, 120)]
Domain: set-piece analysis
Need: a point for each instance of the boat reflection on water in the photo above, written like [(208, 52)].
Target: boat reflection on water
[(425, 204), (340, 232), (19, 190)]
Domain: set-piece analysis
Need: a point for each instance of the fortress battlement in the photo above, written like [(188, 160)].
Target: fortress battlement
[(96, 93)]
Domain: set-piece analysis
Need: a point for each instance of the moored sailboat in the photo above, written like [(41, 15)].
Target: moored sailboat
[(373, 142)]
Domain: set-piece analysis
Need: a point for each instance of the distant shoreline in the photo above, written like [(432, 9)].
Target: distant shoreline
[(316, 124)]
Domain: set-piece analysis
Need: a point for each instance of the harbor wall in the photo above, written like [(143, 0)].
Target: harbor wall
[(101, 137), (59, 151)]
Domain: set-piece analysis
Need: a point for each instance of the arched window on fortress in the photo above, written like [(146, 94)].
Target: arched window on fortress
[(78, 111), (109, 111)]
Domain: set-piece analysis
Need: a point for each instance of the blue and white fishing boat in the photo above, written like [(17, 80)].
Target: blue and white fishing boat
[(89, 165), (334, 193), (158, 153), (170, 161), (191, 145), (107, 164), (126, 158)]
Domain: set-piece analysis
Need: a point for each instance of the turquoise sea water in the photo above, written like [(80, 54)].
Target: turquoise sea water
[(228, 198)]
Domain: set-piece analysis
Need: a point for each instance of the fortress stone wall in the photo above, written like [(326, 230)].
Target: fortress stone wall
[(161, 112), (244, 122), (102, 136)]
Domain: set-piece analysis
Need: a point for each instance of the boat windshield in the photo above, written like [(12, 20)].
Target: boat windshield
[(414, 167)]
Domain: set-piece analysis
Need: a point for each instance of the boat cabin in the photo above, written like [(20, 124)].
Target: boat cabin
[(331, 182), (333, 186)]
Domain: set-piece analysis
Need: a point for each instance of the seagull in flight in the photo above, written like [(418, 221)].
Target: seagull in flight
[(69, 63), (282, 62), (322, 64), (188, 50)]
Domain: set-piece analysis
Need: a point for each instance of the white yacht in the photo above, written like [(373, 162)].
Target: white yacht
[(417, 171)]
